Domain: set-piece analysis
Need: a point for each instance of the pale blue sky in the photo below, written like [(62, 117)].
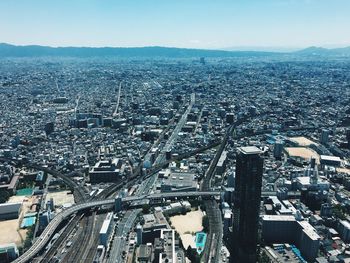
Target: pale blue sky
[(178, 23)]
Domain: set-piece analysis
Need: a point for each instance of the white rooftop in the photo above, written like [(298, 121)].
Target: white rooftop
[(309, 230), (330, 158), (106, 223), (250, 150), (345, 223), (278, 218)]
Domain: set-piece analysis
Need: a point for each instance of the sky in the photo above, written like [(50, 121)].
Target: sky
[(210, 24)]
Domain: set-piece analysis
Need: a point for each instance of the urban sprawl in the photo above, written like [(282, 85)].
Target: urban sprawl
[(174, 160)]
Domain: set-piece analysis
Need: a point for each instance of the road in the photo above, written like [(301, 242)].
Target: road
[(76, 106), (173, 137), (123, 229), (46, 235), (115, 113)]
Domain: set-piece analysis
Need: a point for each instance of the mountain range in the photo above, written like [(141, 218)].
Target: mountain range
[(7, 50)]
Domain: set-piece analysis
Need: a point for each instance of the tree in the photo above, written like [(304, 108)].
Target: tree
[(339, 212), (145, 208), (192, 255), (205, 223), (263, 258), (4, 196), (29, 237)]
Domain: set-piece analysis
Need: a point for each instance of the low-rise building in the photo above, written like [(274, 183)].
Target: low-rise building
[(344, 230), (105, 171), (8, 252), (178, 181), (10, 210), (286, 229), (330, 160), (106, 229)]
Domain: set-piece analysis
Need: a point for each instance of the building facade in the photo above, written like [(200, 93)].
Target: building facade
[(249, 170)]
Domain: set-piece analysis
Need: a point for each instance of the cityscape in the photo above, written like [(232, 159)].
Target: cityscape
[(161, 154)]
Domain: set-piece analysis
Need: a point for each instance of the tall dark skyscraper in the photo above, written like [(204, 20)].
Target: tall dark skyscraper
[(49, 128), (249, 170)]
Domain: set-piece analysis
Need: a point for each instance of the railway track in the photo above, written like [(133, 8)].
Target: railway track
[(50, 254), (213, 244), (92, 250), (77, 251)]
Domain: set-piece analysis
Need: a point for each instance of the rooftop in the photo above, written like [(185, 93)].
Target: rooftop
[(278, 218), (330, 158), (250, 150)]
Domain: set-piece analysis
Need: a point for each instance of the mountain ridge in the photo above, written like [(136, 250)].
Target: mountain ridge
[(9, 50)]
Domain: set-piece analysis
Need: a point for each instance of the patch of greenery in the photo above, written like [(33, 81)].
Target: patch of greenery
[(339, 212), (192, 255), (146, 208), (263, 258), (28, 241), (4, 196), (205, 223)]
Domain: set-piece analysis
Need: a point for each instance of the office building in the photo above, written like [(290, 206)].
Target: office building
[(44, 220), (344, 230), (118, 203), (145, 253), (330, 160), (105, 171), (324, 136), (326, 210), (172, 181), (8, 252), (139, 234), (49, 128), (278, 149), (106, 229), (231, 179), (221, 166), (166, 246), (153, 223), (277, 229), (230, 118), (249, 170)]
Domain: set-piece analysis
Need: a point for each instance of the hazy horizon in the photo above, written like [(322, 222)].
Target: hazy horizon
[(240, 48)]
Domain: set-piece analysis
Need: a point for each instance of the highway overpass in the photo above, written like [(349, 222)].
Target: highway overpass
[(47, 234)]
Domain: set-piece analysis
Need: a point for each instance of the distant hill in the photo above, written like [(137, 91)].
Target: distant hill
[(320, 51), (7, 50)]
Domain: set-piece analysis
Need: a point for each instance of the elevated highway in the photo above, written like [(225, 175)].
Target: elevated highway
[(79, 192), (47, 234), (171, 195)]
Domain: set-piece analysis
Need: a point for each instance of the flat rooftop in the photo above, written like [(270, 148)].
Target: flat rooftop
[(330, 158), (309, 230), (278, 218), (250, 150)]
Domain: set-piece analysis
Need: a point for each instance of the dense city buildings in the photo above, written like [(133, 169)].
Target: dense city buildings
[(241, 159)]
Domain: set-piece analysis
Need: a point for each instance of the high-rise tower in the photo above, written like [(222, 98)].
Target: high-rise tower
[(249, 170)]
